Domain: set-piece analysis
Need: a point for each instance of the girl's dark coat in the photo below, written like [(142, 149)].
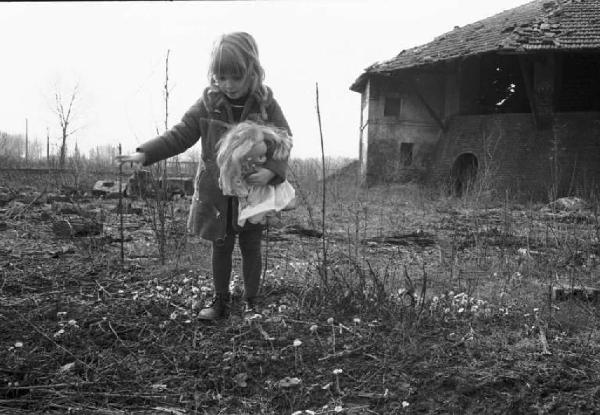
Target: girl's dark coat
[(208, 119)]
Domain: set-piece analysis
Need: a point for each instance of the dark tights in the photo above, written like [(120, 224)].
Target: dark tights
[(249, 241)]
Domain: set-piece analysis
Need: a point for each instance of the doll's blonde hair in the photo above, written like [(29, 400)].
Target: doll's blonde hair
[(237, 54), (233, 147)]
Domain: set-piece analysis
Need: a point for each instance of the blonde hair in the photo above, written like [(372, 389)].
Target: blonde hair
[(237, 143), (237, 54)]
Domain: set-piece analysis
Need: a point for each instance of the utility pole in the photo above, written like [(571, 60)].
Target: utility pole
[(26, 141), (48, 147)]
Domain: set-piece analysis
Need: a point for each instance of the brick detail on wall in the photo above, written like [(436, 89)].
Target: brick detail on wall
[(512, 154)]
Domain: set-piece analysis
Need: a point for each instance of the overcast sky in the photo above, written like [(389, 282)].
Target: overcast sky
[(116, 52)]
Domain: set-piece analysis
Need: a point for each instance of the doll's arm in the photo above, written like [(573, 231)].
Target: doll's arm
[(262, 177)]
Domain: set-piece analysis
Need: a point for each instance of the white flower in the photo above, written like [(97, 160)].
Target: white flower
[(460, 310), (338, 408), (297, 343), (254, 316), (337, 371), (405, 404), (330, 320), (356, 320), (18, 345), (313, 328), (72, 322)]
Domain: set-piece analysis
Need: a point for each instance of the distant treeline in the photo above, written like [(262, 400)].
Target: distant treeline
[(18, 152)]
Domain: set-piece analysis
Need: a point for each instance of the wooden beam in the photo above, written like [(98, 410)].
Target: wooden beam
[(413, 85), (527, 78)]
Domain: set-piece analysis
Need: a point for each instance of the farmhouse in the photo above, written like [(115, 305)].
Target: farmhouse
[(512, 100)]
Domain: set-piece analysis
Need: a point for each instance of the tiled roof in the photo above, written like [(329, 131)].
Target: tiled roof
[(538, 25)]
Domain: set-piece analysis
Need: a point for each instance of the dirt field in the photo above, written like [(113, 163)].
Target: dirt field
[(421, 304)]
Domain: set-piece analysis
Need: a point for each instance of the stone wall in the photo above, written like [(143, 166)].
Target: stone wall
[(411, 124)]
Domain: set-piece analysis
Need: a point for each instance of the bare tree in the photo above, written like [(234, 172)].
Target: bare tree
[(64, 110), (11, 148), (36, 150)]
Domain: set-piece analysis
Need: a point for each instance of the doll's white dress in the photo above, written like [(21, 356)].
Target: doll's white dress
[(264, 201)]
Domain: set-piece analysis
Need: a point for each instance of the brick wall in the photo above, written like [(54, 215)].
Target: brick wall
[(513, 155)]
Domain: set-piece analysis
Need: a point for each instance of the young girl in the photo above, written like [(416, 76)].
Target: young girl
[(235, 93), (241, 150)]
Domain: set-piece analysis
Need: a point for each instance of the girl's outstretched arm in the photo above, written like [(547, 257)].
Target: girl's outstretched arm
[(177, 139), (137, 158)]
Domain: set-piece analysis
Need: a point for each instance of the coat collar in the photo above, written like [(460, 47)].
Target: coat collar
[(216, 101)]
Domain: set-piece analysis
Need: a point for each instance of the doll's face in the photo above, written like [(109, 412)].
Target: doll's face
[(258, 153)]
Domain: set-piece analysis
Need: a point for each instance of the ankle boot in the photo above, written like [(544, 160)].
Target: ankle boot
[(251, 306), (218, 309)]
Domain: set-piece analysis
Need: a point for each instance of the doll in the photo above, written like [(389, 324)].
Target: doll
[(242, 149)]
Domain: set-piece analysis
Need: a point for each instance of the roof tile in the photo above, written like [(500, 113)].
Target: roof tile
[(538, 25)]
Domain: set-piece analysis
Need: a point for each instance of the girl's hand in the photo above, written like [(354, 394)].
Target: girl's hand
[(138, 158), (262, 177)]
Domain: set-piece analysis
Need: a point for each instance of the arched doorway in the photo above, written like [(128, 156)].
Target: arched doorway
[(464, 173)]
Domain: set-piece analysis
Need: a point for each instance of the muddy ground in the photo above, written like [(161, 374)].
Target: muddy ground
[(421, 304)]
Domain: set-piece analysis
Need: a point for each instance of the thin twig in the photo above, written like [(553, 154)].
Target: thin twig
[(49, 387), (324, 269), (264, 276), (115, 333), (27, 207), (121, 208), (343, 353)]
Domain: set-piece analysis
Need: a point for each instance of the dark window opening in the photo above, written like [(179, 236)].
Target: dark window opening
[(579, 85), (406, 154), (392, 106), (502, 88), (492, 84)]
